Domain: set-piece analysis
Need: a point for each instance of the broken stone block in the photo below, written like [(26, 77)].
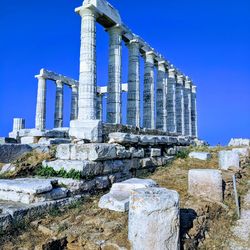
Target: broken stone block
[(238, 142), (204, 156), (206, 183), (118, 197), (155, 152), (63, 151), (244, 152), (123, 138), (154, 221), (137, 153), (118, 202), (122, 152), (29, 140), (28, 185), (11, 152), (90, 130), (112, 166), (93, 152), (53, 141), (102, 182), (228, 159)]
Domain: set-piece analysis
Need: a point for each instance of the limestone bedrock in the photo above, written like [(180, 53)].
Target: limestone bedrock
[(206, 183), (154, 221), (228, 159)]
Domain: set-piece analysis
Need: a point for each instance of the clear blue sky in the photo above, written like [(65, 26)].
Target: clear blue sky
[(208, 40)]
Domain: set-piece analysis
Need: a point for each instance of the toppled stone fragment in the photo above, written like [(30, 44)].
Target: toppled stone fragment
[(154, 219), (118, 197), (228, 159), (200, 155), (205, 183), (7, 168)]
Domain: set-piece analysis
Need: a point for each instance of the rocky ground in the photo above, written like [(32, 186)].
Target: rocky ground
[(204, 225)]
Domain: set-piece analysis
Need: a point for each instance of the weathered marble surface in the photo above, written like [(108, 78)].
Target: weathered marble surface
[(206, 183), (228, 159), (239, 142), (154, 219), (244, 152), (200, 155)]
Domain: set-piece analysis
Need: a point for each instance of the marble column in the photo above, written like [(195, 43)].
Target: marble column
[(161, 98), (58, 118), (148, 93), (74, 102), (114, 73), (133, 101), (171, 96), (87, 79), (194, 113), (18, 124), (40, 122), (180, 125), (187, 107), (99, 106)]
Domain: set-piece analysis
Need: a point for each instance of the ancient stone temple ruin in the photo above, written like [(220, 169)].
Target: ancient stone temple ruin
[(169, 97)]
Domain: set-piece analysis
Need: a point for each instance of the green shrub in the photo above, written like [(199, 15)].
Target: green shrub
[(183, 154), (50, 172)]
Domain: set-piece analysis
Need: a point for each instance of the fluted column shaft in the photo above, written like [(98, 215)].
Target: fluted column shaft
[(187, 107), (133, 103), (171, 96), (180, 124), (114, 82), (87, 79), (148, 94), (74, 102), (194, 113), (58, 122), (161, 98), (40, 122), (99, 108)]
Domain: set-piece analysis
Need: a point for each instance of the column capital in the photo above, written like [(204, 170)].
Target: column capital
[(89, 10), (180, 79), (59, 82), (194, 89), (161, 65), (74, 86), (116, 29), (40, 77), (172, 72)]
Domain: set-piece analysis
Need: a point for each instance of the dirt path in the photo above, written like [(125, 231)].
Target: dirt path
[(241, 230)]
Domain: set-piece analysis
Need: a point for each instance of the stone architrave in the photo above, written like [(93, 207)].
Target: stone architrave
[(206, 183), (161, 98), (154, 219), (74, 102), (194, 113), (133, 101), (171, 96), (40, 122), (114, 82), (149, 89), (180, 125), (58, 122), (187, 107)]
